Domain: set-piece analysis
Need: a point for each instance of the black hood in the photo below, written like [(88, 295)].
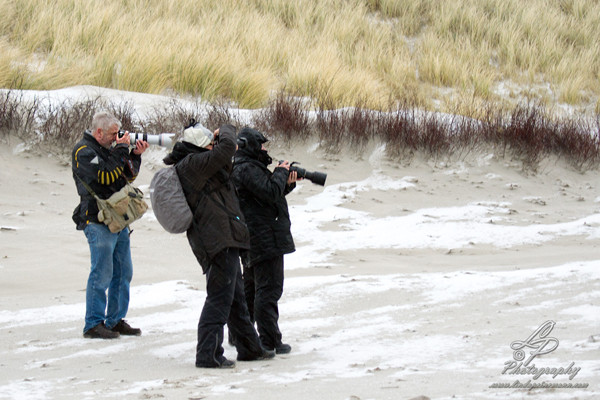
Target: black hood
[(180, 150), (250, 142)]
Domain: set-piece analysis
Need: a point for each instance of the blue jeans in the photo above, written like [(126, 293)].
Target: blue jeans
[(111, 271)]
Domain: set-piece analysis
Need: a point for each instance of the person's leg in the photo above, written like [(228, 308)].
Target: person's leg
[(241, 327), (102, 243), (118, 290), (268, 278), (220, 287), (249, 289)]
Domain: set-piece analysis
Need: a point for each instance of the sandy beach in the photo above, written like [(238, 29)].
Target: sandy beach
[(410, 279)]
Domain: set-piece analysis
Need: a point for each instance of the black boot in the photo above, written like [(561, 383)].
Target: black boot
[(283, 348), (263, 355), (225, 363)]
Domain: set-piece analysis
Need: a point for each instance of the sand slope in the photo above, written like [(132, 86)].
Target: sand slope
[(409, 280)]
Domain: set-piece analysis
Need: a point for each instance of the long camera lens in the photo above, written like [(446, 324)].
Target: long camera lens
[(162, 139), (315, 177)]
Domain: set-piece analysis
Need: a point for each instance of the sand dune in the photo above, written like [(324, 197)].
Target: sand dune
[(409, 280)]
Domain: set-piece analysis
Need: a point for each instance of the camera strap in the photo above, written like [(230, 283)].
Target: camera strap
[(86, 186), (121, 208)]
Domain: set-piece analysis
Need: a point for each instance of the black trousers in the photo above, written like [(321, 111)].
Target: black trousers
[(225, 304), (263, 286)]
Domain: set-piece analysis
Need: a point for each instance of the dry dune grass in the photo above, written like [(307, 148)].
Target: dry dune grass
[(374, 52)]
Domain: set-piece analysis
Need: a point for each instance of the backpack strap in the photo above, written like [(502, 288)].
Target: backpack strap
[(209, 188), (222, 207)]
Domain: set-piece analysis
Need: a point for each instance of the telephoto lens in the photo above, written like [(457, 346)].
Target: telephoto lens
[(316, 177), (162, 139)]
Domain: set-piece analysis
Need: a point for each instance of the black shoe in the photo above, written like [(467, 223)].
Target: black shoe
[(283, 348), (100, 332), (224, 364), (124, 329), (264, 355)]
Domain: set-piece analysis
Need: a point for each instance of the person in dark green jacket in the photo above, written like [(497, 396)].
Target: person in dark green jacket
[(203, 162)]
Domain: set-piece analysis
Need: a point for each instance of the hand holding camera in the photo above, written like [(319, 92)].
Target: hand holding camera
[(122, 137), (162, 139), (140, 146), (284, 164), (293, 174)]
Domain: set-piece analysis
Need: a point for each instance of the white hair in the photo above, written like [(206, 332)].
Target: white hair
[(104, 120)]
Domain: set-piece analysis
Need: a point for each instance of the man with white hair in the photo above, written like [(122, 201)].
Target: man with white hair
[(102, 162)]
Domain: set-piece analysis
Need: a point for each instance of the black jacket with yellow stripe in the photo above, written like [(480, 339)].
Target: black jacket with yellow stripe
[(105, 171)]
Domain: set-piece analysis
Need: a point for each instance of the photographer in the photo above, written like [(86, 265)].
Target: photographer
[(217, 234), (105, 170), (262, 199)]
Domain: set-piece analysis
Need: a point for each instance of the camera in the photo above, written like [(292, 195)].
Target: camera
[(162, 139), (315, 177)]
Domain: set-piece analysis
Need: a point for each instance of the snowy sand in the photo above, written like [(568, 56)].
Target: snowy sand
[(408, 280)]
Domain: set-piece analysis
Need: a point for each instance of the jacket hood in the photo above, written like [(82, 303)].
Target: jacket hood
[(180, 150), (250, 142)]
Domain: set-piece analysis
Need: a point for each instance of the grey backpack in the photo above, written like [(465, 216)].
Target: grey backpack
[(168, 201)]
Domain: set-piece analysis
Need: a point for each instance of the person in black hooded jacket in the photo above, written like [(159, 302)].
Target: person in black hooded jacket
[(217, 234), (262, 199)]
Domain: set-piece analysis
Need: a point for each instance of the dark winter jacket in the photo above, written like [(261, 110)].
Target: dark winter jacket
[(262, 199), (205, 178), (106, 171)]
